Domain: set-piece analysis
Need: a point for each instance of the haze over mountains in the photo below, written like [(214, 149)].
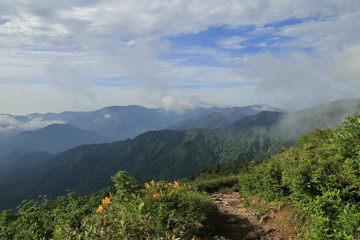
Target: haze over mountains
[(231, 134), (69, 129), (53, 139)]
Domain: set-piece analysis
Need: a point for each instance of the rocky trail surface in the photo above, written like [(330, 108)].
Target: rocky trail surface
[(237, 222)]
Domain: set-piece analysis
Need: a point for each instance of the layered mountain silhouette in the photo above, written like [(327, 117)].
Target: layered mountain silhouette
[(165, 154), (122, 122), (53, 139)]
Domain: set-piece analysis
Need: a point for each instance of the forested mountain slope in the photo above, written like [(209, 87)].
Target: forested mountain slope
[(317, 180), (157, 155)]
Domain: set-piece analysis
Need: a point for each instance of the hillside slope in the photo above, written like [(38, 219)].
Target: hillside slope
[(54, 138), (311, 187), (156, 155), (319, 175), (222, 118)]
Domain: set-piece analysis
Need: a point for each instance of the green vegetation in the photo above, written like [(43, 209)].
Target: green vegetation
[(160, 155), (160, 210), (215, 184), (41, 219), (320, 176)]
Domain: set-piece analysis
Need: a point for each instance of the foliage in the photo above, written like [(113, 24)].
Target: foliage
[(320, 175), (160, 155), (40, 219), (215, 184), (160, 210)]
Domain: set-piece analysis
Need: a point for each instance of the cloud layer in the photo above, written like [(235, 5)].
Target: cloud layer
[(80, 54), (11, 124)]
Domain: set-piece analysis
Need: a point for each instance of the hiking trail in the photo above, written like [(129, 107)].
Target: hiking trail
[(237, 222)]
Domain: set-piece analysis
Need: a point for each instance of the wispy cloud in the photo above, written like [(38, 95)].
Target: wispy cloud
[(10, 123), (234, 42), (156, 50)]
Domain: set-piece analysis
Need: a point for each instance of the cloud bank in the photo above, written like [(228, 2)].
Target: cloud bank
[(10, 123), (226, 52)]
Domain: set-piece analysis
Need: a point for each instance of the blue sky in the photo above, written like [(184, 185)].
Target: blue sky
[(84, 55)]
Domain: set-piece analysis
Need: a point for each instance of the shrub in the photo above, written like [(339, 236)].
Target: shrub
[(215, 184), (320, 174), (159, 211)]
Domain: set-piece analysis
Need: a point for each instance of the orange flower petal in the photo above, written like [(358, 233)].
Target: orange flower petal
[(100, 209)]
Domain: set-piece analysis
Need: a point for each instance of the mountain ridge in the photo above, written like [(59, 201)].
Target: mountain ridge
[(116, 122), (53, 138), (160, 154)]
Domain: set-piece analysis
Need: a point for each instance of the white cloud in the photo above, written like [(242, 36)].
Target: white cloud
[(329, 35), (181, 104), (84, 24), (234, 42), (107, 116), (59, 55), (9, 123), (68, 77), (296, 79)]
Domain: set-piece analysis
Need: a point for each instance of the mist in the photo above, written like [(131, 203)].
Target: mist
[(69, 78), (142, 63), (296, 80)]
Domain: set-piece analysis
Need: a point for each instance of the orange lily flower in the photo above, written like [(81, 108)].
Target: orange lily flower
[(106, 201), (100, 209)]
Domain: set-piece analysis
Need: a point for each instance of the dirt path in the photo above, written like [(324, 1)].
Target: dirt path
[(239, 223)]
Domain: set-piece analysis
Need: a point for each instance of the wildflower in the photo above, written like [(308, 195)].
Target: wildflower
[(152, 182), (169, 185), (100, 209), (176, 184), (106, 201), (156, 195), (147, 186)]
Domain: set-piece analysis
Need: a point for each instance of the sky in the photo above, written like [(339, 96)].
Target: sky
[(82, 55)]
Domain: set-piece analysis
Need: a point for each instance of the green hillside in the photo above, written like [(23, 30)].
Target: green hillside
[(318, 178), (159, 155)]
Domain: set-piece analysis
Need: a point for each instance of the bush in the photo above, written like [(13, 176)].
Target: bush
[(320, 174), (215, 184), (159, 211), (41, 219)]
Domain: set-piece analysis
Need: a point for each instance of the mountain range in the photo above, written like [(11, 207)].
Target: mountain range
[(162, 154), (53, 138), (70, 129)]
